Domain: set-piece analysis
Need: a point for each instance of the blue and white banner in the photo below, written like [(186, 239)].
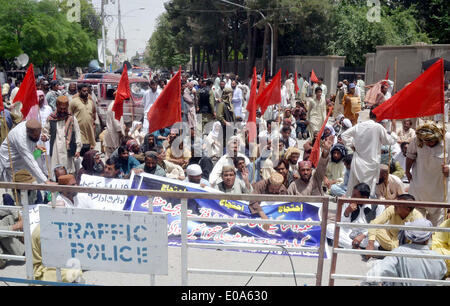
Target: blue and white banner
[(227, 232)]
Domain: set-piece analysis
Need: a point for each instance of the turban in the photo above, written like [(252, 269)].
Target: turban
[(151, 154), (418, 236), (66, 179), (276, 179), (341, 148), (131, 143), (428, 132), (194, 170), (339, 118), (23, 176), (290, 151)]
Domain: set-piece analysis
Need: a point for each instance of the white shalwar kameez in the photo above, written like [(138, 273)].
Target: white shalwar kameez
[(427, 184), (149, 98), (367, 138), (22, 149)]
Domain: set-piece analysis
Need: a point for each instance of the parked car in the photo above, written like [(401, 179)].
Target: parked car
[(105, 84)]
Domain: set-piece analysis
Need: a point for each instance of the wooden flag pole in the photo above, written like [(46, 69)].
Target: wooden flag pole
[(445, 162), (10, 157)]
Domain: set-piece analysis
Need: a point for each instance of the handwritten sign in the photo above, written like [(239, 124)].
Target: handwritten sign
[(102, 201), (104, 240)]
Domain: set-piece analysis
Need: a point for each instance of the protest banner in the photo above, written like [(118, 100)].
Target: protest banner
[(102, 240), (277, 235), (102, 201)]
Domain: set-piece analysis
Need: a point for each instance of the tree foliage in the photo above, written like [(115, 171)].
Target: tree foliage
[(218, 31), (41, 30)]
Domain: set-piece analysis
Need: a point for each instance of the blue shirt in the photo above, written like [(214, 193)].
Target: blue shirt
[(131, 164), (164, 133)]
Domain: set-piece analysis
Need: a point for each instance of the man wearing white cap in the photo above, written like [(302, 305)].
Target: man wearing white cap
[(194, 176)]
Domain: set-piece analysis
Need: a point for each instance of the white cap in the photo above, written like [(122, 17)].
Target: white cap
[(194, 170)]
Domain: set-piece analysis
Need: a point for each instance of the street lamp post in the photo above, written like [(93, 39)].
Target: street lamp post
[(268, 23)]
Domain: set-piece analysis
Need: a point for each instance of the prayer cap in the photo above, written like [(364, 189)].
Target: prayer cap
[(418, 236), (23, 176), (347, 123), (305, 163), (194, 170), (33, 124), (62, 99), (228, 168), (276, 179), (65, 179)]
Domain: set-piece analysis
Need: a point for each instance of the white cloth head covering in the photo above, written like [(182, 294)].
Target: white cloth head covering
[(267, 169), (418, 236), (347, 123), (194, 170), (215, 132)]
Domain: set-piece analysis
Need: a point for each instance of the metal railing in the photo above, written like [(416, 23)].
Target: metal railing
[(235, 246), (336, 250), (184, 196)]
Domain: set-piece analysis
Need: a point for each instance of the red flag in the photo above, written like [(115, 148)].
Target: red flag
[(423, 97), (314, 77), (271, 94), (166, 110), (296, 83), (387, 73), (287, 74), (204, 75), (123, 93), (54, 74), (27, 93), (314, 157), (251, 108), (262, 86)]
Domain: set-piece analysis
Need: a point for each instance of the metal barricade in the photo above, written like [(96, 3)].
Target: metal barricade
[(184, 219), (321, 250), (336, 250)]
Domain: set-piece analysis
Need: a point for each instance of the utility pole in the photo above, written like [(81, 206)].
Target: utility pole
[(104, 34), (120, 20)]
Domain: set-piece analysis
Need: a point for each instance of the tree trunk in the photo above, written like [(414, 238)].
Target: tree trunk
[(248, 64), (264, 52), (253, 54), (208, 61), (275, 47), (235, 46), (198, 61)]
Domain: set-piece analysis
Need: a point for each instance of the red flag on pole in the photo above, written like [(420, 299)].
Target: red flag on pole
[(314, 77), (123, 93), (251, 108), (387, 73), (315, 152), (54, 74), (423, 97), (296, 83), (166, 110), (27, 93), (204, 75), (271, 94)]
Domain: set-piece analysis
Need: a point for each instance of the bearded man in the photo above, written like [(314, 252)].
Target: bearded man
[(431, 169)]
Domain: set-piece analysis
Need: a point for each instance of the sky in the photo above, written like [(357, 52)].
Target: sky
[(138, 25)]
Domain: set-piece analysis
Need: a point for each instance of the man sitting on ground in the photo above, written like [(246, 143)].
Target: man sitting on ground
[(396, 215), (355, 213), (229, 183), (408, 267)]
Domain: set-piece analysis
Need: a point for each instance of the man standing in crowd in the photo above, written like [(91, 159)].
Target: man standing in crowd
[(366, 138), (430, 171), (150, 98), (63, 132), (83, 108)]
